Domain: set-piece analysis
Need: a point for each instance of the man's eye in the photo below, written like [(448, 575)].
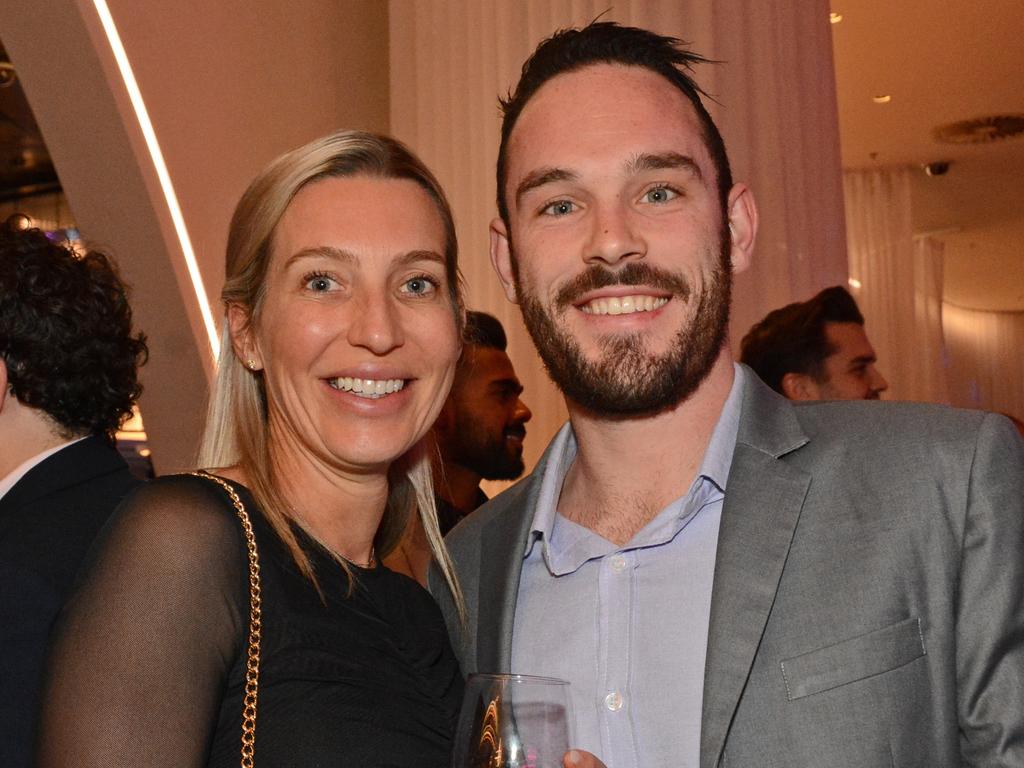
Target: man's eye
[(559, 208), (419, 286), (660, 195)]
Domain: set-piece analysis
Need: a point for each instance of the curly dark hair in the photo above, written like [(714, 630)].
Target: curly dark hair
[(66, 334)]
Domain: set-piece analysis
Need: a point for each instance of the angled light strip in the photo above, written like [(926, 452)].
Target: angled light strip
[(161, 168)]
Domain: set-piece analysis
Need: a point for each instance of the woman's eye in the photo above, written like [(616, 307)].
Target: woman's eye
[(419, 286), (660, 195), (319, 283), (559, 208)]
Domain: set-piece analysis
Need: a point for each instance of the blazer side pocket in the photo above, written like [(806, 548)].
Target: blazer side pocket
[(854, 659)]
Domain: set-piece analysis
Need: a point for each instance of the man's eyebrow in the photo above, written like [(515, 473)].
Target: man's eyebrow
[(664, 161), (507, 385), (540, 177), (862, 359)]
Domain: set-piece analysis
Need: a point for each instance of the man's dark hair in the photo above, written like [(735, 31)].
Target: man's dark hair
[(605, 42), (66, 334), (484, 330), (792, 339)]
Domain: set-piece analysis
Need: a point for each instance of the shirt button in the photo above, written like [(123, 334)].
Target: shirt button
[(613, 701), (618, 563)]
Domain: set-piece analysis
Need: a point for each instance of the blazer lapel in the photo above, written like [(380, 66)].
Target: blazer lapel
[(763, 500), (503, 542)]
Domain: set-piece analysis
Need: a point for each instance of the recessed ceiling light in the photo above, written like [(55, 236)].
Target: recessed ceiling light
[(883, 99), (835, 18)]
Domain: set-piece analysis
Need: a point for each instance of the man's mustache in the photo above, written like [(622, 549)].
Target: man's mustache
[(634, 273)]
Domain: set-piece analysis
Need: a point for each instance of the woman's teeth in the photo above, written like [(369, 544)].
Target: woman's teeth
[(372, 388)]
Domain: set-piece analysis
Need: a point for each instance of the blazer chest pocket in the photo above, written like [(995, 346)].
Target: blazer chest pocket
[(854, 659)]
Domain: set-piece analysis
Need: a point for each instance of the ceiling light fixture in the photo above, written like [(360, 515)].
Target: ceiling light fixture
[(981, 130), (164, 177), (883, 99), (835, 18), (854, 283)]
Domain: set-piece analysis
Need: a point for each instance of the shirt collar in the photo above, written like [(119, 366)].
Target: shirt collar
[(714, 466), (12, 478)]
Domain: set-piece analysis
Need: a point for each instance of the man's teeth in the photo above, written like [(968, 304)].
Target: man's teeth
[(372, 388), (624, 305)]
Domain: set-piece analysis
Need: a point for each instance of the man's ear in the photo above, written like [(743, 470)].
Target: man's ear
[(741, 211), (501, 259), (800, 386), (4, 391), (243, 339)]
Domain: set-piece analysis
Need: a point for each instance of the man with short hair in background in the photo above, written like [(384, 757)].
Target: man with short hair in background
[(726, 578), (479, 433), (815, 350), (68, 378)]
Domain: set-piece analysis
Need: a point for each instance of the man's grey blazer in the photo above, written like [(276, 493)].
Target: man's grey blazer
[(868, 600)]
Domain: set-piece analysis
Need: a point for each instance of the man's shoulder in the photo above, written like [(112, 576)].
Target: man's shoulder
[(932, 440), (900, 421), (507, 507), (89, 471)]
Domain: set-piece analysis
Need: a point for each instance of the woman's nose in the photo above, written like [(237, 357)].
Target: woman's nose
[(375, 324)]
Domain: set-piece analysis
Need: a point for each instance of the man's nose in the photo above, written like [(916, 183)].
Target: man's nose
[(878, 382), (614, 235), (522, 413)]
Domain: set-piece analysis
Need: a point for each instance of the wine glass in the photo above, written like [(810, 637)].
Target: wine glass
[(513, 721)]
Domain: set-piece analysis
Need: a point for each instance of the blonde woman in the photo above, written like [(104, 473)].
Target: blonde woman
[(341, 333)]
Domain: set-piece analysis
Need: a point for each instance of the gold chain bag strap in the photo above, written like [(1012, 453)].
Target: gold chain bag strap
[(252, 662)]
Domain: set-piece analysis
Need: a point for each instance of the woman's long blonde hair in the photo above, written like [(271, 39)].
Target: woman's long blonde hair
[(236, 425)]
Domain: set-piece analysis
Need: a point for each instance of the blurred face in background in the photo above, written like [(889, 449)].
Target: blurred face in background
[(484, 422), (849, 373)]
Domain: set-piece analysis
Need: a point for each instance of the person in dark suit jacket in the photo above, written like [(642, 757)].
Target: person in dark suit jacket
[(725, 577), (68, 361)]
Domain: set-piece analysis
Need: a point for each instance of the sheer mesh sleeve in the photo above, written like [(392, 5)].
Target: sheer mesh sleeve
[(142, 652)]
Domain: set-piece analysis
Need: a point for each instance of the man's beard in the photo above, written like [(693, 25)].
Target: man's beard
[(492, 459), (626, 380)]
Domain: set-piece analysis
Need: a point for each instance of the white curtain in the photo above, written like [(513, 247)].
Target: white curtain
[(986, 351), (777, 111), (897, 281)]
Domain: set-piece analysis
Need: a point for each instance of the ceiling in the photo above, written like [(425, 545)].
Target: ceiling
[(942, 63)]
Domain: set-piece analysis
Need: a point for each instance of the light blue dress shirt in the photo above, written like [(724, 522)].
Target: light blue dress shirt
[(627, 626)]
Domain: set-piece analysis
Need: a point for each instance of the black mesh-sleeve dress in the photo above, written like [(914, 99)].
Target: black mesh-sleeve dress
[(147, 665)]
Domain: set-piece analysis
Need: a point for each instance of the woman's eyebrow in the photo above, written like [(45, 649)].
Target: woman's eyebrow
[(421, 255), (321, 251)]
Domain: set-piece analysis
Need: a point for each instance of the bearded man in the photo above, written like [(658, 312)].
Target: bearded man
[(726, 578)]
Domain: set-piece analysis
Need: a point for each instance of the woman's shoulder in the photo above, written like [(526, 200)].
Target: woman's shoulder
[(179, 513)]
